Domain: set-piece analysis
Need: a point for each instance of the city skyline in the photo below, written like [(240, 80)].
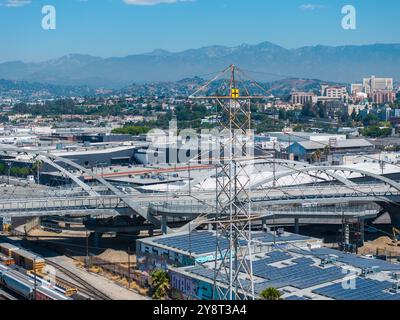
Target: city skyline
[(120, 28)]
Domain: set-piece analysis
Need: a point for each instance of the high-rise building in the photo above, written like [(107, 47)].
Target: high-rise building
[(383, 96), (356, 88), (334, 92), (373, 84), (299, 97)]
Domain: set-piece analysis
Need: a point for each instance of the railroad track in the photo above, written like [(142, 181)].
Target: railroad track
[(6, 296), (83, 286)]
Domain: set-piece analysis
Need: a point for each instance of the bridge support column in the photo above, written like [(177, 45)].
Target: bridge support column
[(97, 239), (296, 226), (210, 227), (164, 228), (264, 224), (347, 233), (362, 231)]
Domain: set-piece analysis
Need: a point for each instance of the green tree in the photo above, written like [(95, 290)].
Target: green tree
[(160, 283), (36, 167), (270, 294), (308, 110), (19, 172), (354, 114), (376, 132), (2, 168), (316, 156), (370, 119), (133, 130)]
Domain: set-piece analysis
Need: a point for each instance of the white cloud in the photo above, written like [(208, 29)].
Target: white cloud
[(152, 2), (311, 7)]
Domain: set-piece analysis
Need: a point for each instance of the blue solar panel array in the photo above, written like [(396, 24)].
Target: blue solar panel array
[(197, 242), (296, 298), (202, 242), (269, 237), (274, 256), (351, 259), (222, 278), (365, 289), (302, 274), (304, 261)]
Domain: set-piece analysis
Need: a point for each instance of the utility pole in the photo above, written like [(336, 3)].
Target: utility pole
[(190, 187), (274, 166), (129, 267), (34, 274), (233, 218), (9, 171), (87, 249)]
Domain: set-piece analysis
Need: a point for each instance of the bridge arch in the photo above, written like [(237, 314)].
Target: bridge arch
[(333, 172), (51, 158)]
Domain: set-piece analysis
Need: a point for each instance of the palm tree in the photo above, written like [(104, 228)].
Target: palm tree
[(316, 156), (37, 166), (271, 294), (159, 281)]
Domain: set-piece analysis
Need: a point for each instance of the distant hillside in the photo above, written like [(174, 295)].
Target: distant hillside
[(32, 91), (186, 87), (270, 61)]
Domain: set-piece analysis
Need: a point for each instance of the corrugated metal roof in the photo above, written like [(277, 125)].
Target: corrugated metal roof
[(30, 255), (8, 246), (339, 144)]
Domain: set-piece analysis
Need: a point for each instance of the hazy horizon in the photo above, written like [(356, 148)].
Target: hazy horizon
[(119, 28), (196, 48)]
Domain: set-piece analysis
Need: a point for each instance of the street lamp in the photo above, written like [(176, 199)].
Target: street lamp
[(9, 171)]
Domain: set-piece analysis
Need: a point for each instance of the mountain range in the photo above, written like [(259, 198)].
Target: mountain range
[(265, 61)]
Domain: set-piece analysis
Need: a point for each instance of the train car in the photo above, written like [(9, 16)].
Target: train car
[(24, 286), (59, 288), (45, 293), (28, 260), (6, 260), (3, 268), (7, 249), (18, 283)]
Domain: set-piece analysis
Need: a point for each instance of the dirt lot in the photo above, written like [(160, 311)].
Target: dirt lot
[(382, 244)]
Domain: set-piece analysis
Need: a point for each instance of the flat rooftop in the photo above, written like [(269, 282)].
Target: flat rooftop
[(301, 275), (200, 243)]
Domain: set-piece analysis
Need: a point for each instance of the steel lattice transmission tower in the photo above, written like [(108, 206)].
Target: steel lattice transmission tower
[(233, 216)]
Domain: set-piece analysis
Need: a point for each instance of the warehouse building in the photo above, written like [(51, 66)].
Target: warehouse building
[(333, 151), (316, 274), (298, 266), (187, 249)]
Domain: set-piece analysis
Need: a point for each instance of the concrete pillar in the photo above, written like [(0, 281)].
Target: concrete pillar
[(210, 227), (296, 226), (347, 234), (264, 224), (362, 231), (164, 224), (97, 239), (151, 232)]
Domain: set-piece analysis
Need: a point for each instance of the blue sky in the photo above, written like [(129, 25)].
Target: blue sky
[(116, 28)]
